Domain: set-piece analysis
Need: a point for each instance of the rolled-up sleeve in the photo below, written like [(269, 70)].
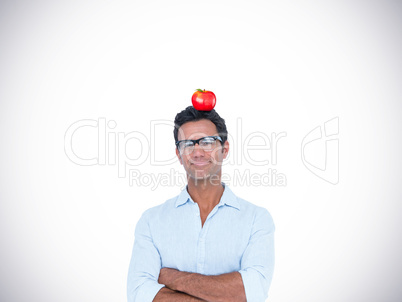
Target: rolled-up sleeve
[(257, 263), (145, 265)]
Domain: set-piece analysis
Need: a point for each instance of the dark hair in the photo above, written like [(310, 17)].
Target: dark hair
[(190, 114)]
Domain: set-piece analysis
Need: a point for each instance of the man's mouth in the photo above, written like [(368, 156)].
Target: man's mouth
[(200, 163)]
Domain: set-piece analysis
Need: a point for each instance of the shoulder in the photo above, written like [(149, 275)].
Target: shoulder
[(257, 214), (160, 210), (152, 218), (252, 208)]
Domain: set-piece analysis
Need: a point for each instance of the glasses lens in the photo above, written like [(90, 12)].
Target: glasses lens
[(208, 143), (186, 147)]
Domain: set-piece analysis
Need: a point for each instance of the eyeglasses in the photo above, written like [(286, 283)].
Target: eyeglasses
[(207, 143)]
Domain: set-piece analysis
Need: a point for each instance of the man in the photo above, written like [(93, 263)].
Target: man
[(206, 244)]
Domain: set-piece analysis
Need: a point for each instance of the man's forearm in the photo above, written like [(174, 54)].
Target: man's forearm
[(225, 287), (168, 295)]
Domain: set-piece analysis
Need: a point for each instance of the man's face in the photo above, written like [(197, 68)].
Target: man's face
[(200, 164)]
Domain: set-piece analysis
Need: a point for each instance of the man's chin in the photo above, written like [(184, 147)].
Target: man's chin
[(200, 176), (200, 172), (205, 178)]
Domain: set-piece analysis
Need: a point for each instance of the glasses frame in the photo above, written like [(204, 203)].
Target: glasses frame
[(196, 141)]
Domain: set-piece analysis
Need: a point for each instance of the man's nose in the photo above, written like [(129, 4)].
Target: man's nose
[(198, 151)]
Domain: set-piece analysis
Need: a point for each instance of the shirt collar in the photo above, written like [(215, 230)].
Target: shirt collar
[(228, 198), (182, 198)]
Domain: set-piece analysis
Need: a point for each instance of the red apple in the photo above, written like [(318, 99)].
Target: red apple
[(203, 100)]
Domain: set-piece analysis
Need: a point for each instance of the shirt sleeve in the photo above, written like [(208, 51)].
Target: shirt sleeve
[(257, 263), (145, 265)]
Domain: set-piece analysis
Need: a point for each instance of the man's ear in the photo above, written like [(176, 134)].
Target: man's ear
[(179, 156), (225, 149)]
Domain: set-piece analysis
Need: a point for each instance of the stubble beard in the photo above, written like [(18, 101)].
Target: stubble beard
[(204, 178)]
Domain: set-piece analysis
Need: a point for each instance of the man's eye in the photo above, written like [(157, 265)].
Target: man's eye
[(187, 144), (207, 142)]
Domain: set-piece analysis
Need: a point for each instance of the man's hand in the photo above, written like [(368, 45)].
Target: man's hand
[(168, 295), (226, 287), (171, 277)]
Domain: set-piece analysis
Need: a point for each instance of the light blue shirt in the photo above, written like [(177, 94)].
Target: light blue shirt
[(236, 236)]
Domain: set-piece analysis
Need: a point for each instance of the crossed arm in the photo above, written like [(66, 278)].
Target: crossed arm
[(183, 286), (148, 281)]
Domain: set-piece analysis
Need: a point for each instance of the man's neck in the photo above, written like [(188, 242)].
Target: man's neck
[(206, 194)]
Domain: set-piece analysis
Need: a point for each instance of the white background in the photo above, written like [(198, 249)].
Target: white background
[(66, 230)]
